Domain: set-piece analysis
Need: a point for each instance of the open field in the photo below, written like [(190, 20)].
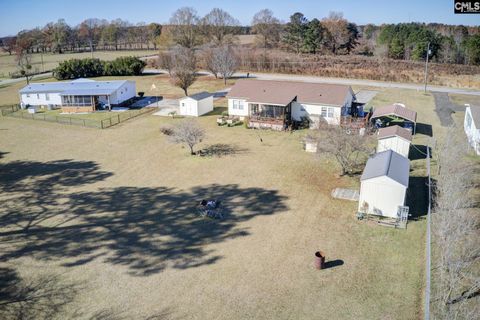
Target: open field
[(50, 61), (113, 213)]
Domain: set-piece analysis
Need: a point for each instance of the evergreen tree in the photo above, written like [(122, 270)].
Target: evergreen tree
[(295, 31)]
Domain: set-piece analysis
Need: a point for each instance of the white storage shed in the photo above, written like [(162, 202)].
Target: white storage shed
[(196, 104), (394, 138), (384, 184)]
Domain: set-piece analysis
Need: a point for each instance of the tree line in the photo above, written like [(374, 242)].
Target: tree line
[(329, 35)]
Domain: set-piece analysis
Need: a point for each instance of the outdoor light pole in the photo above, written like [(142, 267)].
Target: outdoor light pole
[(426, 66)]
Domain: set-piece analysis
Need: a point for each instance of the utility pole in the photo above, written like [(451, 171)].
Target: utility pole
[(426, 66)]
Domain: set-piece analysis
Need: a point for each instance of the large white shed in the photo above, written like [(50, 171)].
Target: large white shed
[(196, 104), (384, 184), (394, 138)]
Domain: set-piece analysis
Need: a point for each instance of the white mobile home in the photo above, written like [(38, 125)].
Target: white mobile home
[(384, 184), (81, 95), (394, 138), (471, 125), (196, 104), (274, 104)]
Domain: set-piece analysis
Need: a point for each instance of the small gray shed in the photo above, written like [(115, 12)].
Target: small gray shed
[(384, 184)]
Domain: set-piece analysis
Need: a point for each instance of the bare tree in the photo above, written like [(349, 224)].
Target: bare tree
[(456, 254), (351, 151), (184, 68), (9, 45), (165, 61), (217, 25), (24, 64), (338, 31), (267, 28), (188, 132), (184, 27), (208, 56), (225, 62)]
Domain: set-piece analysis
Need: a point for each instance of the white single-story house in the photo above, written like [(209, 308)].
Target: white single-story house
[(394, 138), (196, 104), (471, 125), (275, 104), (384, 184), (81, 95), (395, 114)]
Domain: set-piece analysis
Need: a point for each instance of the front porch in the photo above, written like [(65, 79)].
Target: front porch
[(266, 116)]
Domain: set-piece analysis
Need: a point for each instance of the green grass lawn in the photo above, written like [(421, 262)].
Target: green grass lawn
[(51, 61)]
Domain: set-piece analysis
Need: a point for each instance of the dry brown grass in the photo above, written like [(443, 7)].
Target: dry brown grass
[(360, 67), (134, 250)]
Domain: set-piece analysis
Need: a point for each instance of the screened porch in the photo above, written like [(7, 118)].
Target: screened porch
[(268, 112), (78, 101)]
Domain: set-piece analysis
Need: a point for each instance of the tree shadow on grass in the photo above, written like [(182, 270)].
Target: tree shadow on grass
[(144, 229), (221, 150), (42, 297), (418, 151), (417, 197), (425, 129)]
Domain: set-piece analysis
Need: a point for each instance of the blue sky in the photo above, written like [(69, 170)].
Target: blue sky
[(16, 15)]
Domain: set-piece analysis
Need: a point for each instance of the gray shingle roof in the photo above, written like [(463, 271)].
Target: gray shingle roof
[(395, 109), (201, 95), (388, 163), (87, 87), (394, 131), (283, 92)]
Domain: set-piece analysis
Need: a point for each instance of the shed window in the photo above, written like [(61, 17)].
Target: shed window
[(28, 95), (47, 96), (240, 105), (38, 95), (235, 104)]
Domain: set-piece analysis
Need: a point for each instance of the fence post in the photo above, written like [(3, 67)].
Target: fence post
[(84, 122), (101, 123)]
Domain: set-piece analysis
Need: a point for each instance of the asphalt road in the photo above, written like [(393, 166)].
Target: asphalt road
[(276, 76), (354, 82)]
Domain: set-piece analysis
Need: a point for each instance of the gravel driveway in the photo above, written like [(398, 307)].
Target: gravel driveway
[(444, 108)]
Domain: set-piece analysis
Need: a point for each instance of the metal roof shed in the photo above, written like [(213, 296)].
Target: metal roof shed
[(396, 113), (394, 138), (384, 184), (196, 104)]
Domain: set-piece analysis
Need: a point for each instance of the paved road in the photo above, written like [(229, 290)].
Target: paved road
[(359, 82), (275, 76), (356, 82), (35, 77)]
